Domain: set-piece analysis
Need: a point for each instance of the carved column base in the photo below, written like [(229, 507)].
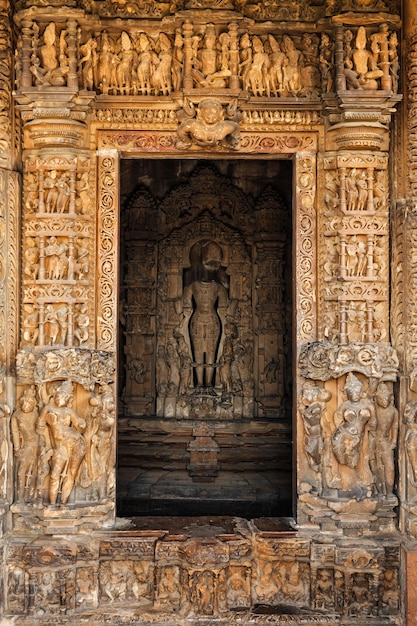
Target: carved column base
[(62, 519)]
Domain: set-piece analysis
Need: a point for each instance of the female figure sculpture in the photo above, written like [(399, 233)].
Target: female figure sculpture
[(353, 441)]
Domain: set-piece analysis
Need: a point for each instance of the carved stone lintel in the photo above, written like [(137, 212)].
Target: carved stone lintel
[(323, 360)]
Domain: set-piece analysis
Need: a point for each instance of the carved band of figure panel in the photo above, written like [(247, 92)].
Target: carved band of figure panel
[(207, 57)]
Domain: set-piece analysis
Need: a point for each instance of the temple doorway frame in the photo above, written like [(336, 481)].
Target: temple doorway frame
[(300, 147)]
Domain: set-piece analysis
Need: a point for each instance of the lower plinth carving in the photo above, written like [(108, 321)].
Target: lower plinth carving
[(197, 570)]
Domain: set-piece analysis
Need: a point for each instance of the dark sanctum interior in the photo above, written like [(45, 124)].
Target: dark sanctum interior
[(205, 350)]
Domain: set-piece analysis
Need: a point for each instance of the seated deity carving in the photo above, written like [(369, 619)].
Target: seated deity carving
[(361, 66), (50, 66)]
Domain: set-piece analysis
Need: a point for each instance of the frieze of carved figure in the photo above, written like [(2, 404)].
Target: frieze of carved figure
[(285, 10), (26, 445), (325, 360), (312, 406), (208, 126), (367, 59), (86, 367), (60, 430), (49, 59)]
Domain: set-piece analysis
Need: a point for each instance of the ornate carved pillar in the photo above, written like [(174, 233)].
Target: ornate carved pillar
[(64, 422), (348, 420), (9, 205), (406, 245)]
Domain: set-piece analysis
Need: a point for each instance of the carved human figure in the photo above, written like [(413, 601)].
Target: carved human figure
[(352, 256), (52, 65), (210, 300), (105, 64), (312, 406), (226, 359), (352, 192), (173, 361), (204, 592), (326, 63), (292, 67), (147, 59), (82, 261), (60, 429), (210, 129), (394, 61), (56, 260), (26, 444), (362, 187), (82, 324), (364, 63), (52, 324), (101, 440), (245, 60), (51, 191), (380, 190), (258, 72), (385, 438), (353, 441), (31, 257), (161, 77), (277, 62), (177, 60), (410, 442), (185, 363), (87, 63), (63, 193), (162, 370), (124, 67)]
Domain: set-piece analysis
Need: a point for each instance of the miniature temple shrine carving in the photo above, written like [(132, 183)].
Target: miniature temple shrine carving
[(208, 354)]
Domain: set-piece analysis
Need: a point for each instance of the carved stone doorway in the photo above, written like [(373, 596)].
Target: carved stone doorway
[(205, 349)]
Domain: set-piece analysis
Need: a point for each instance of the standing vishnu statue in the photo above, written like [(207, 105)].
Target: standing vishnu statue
[(205, 301)]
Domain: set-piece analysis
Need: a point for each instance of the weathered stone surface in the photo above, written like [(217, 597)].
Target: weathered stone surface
[(212, 251)]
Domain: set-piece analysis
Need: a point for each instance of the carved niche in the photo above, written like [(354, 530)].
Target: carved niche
[(205, 302)]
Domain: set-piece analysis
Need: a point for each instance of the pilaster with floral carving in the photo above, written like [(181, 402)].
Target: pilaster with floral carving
[(9, 219), (346, 407), (64, 420)]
